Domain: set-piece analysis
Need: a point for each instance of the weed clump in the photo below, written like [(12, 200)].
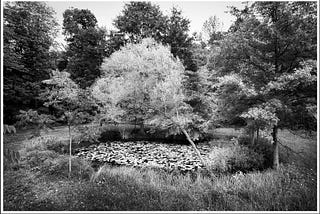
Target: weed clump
[(59, 167), (233, 159), (46, 143), (36, 158)]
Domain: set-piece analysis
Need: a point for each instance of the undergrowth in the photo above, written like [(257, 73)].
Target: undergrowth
[(123, 188), (43, 184)]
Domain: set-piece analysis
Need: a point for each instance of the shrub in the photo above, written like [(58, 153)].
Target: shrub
[(234, 158), (265, 148), (93, 135), (8, 129), (36, 158), (61, 147), (88, 135), (11, 159), (59, 167), (110, 135), (46, 143), (39, 143)]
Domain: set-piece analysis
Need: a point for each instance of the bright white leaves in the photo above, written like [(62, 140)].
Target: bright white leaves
[(263, 117), (142, 80), (260, 117), (147, 57)]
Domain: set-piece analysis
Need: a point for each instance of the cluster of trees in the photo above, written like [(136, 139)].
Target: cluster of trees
[(260, 73), (30, 52), (29, 29)]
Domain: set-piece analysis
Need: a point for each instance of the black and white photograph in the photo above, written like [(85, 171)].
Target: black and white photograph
[(159, 106)]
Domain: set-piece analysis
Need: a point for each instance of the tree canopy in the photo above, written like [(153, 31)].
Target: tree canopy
[(28, 33), (86, 45), (272, 47), (129, 75), (141, 19), (144, 80)]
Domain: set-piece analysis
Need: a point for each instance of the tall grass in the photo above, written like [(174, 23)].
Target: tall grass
[(123, 188)]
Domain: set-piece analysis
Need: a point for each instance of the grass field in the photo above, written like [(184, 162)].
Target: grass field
[(293, 187)]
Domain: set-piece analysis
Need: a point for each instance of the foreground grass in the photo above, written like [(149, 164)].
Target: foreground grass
[(293, 187), (123, 188)]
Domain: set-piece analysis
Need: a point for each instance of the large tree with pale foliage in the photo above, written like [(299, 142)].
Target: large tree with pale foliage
[(145, 83)]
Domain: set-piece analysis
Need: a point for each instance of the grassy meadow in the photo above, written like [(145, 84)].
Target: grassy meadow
[(40, 183)]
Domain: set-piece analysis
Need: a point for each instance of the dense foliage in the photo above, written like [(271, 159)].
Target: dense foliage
[(140, 20), (29, 29), (260, 74), (86, 46), (144, 83), (266, 66), (72, 102)]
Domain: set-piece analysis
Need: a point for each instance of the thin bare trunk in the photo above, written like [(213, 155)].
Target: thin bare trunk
[(257, 136), (70, 143), (275, 148), (193, 145), (276, 68), (252, 136), (142, 132)]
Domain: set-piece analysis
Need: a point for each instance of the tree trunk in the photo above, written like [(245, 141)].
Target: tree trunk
[(257, 136), (135, 123), (276, 68), (70, 153), (252, 136), (194, 146), (142, 132), (275, 148)]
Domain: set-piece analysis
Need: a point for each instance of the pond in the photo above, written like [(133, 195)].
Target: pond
[(145, 154)]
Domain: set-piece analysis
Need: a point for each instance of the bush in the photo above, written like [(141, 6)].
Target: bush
[(93, 135), (40, 143), (234, 158), (36, 158), (46, 143), (61, 147), (59, 167), (88, 135), (264, 148), (110, 135)]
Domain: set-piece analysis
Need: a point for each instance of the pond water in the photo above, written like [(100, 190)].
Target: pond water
[(145, 154)]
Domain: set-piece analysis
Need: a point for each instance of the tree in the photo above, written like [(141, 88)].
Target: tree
[(179, 40), (265, 68), (121, 90), (200, 50), (212, 29), (28, 32), (147, 79), (139, 20), (66, 96), (86, 45)]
